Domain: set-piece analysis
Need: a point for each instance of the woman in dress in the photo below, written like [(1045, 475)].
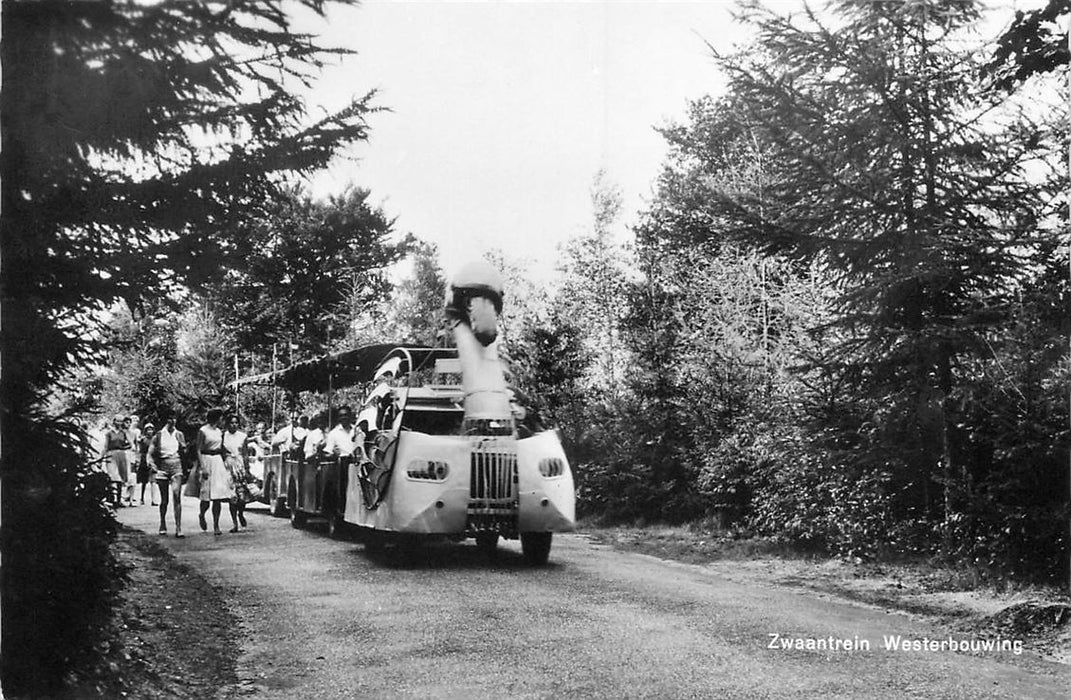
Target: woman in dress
[(217, 485), (118, 445), (234, 441), (132, 425)]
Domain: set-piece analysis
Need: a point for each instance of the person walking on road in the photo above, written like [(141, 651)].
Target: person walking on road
[(216, 483), (234, 442), (117, 442), (147, 463), (167, 448), (133, 435)]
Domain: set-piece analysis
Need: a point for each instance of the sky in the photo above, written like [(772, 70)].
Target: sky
[(501, 113)]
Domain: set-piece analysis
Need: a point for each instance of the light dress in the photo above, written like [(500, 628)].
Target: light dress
[(219, 484), (235, 444)]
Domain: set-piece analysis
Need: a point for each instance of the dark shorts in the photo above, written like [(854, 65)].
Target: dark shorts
[(167, 468)]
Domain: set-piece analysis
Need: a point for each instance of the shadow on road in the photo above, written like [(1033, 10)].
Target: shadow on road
[(428, 555), (449, 556)]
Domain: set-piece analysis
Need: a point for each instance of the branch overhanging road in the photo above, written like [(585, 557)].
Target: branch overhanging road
[(322, 619)]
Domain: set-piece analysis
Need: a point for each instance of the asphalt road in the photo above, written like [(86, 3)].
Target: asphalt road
[(322, 619)]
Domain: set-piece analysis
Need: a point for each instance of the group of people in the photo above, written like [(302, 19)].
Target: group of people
[(219, 466), (223, 471), (223, 464), (307, 437), (125, 448)]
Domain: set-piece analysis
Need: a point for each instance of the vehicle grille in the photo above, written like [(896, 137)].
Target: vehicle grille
[(493, 478), (493, 487)]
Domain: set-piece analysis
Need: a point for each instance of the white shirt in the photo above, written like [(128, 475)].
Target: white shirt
[(341, 441), (312, 442), (287, 437), (169, 443)]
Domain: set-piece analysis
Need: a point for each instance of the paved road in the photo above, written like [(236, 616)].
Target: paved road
[(322, 619)]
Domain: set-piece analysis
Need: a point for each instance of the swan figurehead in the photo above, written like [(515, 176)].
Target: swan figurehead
[(473, 304), (475, 299)]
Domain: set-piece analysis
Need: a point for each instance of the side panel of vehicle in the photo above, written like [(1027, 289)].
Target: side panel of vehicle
[(418, 501), (288, 480), (308, 483), (547, 498), (272, 469)]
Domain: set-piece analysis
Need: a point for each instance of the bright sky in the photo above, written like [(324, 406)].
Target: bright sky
[(501, 113)]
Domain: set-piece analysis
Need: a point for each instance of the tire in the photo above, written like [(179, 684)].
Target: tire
[(297, 518), (276, 506), (487, 542), (536, 547)]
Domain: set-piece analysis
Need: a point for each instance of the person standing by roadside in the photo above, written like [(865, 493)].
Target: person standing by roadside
[(133, 433), (216, 484), (118, 445), (234, 442), (147, 463), (167, 448)]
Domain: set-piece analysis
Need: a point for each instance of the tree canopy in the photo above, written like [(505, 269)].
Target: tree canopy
[(135, 137), (298, 272)]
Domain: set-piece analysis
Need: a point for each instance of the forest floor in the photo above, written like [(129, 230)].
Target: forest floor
[(171, 634), (1040, 616)]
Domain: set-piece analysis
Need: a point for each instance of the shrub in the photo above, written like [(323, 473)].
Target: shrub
[(59, 575)]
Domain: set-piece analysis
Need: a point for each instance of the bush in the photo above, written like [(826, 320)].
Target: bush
[(59, 576)]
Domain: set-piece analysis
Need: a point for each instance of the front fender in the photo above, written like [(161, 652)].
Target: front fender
[(545, 503)]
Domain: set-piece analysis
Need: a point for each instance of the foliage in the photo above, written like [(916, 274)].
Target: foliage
[(415, 310), (59, 575), (853, 301), (135, 136), (880, 158), (302, 268), (1032, 45), (594, 286), (548, 363)]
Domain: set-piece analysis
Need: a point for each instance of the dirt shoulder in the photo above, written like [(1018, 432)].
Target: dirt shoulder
[(1040, 617), (171, 636)]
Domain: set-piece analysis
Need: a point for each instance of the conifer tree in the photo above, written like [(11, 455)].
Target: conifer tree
[(134, 136)]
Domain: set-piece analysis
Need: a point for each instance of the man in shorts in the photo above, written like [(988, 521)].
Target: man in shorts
[(167, 448)]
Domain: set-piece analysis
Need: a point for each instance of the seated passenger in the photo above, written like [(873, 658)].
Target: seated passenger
[(314, 440), (290, 435), (344, 439)]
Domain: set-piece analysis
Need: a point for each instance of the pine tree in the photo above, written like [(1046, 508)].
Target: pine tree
[(925, 195), (135, 135)]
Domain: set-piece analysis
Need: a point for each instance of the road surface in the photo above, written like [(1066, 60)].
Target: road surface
[(320, 618)]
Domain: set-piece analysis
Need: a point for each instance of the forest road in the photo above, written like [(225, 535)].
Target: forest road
[(320, 618)]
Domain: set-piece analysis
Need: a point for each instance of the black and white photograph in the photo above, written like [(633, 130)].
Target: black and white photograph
[(535, 349)]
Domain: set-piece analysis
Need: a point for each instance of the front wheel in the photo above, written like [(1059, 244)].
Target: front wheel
[(536, 547)]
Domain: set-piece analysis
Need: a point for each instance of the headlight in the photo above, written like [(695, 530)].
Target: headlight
[(427, 470), (551, 466)]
